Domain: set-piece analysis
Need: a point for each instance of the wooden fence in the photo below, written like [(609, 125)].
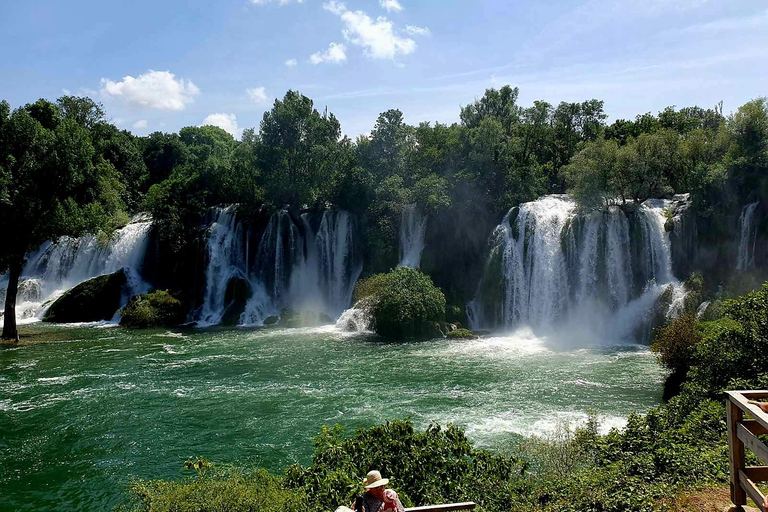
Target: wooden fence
[(742, 433)]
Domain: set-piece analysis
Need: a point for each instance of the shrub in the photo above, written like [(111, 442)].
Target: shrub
[(154, 309), (218, 490), (402, 302), (675, 343), (434, 466)]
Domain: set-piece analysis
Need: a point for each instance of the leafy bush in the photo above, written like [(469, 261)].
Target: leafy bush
[(154, 309), (675, 343), (220, 490), (435, 466), (401, 302)]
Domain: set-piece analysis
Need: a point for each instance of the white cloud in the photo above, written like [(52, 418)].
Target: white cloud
[(280, 2), (335, 54), (391, 5), (377, 38), (227, 122), (417, 31), (141, 123), (156, 89), (258, 95), (66, 92), (291, 63)]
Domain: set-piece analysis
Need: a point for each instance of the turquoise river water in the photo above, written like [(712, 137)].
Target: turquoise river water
[(80, 419)]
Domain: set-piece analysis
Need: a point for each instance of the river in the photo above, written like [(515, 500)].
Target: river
[(82, 418)]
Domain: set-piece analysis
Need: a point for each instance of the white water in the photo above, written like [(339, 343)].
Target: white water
[(56, 267), (561, 269), (295, 267), (413, 226), (747, 237)]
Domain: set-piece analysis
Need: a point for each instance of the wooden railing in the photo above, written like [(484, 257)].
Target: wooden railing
[(742, 433), (443, 508)]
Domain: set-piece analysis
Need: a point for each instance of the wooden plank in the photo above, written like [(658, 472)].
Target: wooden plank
[(757, 473), (735, 451), (755, 427), (752, 490), (742, 402), (753, 443), (753, 394), (445, 508)]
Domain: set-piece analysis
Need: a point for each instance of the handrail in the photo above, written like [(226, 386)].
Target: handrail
[(742, 433), (443, 508)]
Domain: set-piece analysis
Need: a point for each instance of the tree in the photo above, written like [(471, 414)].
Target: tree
[(299, 149), (51, 189)]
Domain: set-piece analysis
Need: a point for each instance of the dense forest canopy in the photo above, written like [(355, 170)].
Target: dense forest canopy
[(66, 170)]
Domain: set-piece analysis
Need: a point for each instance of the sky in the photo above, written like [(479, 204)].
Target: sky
[(160, 65)]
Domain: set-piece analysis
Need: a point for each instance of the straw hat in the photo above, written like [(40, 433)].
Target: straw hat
[(373, 479)]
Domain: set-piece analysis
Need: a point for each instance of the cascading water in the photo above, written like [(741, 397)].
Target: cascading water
[(295, 267), (413, 226), (56, 267), (550, 265), (226, 260), (747, 237)]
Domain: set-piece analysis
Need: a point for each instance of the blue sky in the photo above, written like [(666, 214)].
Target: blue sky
[(165, 64)]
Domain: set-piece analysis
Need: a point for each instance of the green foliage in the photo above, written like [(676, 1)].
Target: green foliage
[(675, 343), (461, 334), (401, 302), (155, 309), (435, 466), (218, 490)]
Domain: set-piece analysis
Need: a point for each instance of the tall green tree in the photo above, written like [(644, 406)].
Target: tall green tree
[(50, 188)]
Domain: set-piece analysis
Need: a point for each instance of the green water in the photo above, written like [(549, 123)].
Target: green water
[(80, 419)]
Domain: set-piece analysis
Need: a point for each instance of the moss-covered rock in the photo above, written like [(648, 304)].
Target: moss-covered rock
[(93, 300), (462, 334), (271, 320), (155, 309)]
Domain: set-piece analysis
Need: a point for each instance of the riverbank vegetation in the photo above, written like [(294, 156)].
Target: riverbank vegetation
[(65, 169), (677, 447)]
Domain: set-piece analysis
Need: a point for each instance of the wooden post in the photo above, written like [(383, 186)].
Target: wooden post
[(736, 452)]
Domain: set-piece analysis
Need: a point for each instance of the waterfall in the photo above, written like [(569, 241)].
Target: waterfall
[(412, 228), (747, 237), (226, 260), (338, 265), (296, 266), (55, 267), (551, 265)]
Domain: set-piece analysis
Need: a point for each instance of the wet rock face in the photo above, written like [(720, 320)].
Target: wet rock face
[(93, 300), (235, 299), (683, 234)]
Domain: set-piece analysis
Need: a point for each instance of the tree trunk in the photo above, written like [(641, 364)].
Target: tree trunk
[(9, 317)]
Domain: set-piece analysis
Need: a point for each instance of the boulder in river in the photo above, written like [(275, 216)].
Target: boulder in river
[(155, 309), (90, 301)]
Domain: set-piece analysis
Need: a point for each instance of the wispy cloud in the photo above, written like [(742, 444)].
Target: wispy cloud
[(417, 31), (291, 63), (227, 122), (377, 37), (258, 95), (335, 54), (141, 123), (391, 5), (759, 20), (159, 90)]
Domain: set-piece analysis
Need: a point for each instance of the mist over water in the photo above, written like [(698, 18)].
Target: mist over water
[(588, 278), (56, 267)]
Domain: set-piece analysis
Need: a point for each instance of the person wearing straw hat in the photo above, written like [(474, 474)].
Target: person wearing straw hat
[(377, 498)]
